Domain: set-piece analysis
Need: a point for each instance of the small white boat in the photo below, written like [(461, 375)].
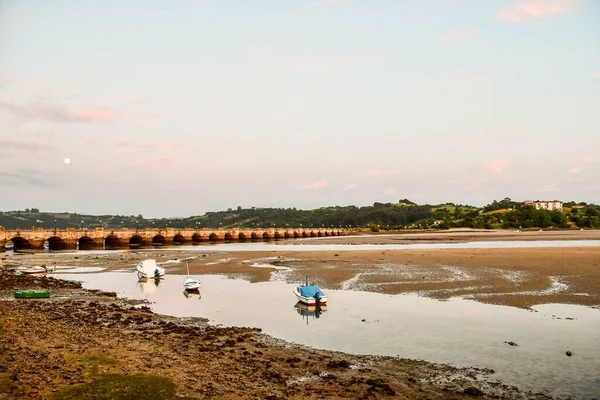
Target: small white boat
[(38, 270), (310, 294), (149, 269), (190, 283)]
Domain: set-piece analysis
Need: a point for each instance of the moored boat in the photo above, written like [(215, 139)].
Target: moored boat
[(191, 284), (310, 294), (34, 270), (149, 269)]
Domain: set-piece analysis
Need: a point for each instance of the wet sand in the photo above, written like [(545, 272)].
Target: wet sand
[(81, 342)]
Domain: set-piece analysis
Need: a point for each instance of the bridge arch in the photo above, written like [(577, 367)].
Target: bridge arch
[(196, 238), (288, 235), (255, 236), (296, 234), (278, 235), (159, 240), (136, 241), (305, 234), (86, 243), (228, 237), (320, 234), (313, 234), (112, 241), (20, 243), (56, 243), (242, 236), (266, 235), (213, 237), (178, 239)]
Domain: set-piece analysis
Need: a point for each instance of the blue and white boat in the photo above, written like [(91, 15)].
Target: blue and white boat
[(310, 294)]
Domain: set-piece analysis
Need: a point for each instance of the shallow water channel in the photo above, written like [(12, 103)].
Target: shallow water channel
[(457, 332)]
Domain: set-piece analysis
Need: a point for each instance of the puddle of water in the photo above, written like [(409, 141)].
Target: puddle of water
[(70, 269), (458, 332)]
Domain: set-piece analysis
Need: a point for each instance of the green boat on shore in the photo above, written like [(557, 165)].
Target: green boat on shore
[(32, 294)]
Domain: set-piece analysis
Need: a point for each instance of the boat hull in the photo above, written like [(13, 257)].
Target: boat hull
[(311, 301)]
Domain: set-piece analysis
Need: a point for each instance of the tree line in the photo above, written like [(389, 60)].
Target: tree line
[(501, 214)]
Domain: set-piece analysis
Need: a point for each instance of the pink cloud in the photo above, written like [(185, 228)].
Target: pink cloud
[(389, 190), (3, 79), (552, 187), (456, 36), (379, 173), (476, 184), (592, 187), (163, 161), (148, 145), (529, 10), (576, 170), (596, 76), (314, 185), (21, 146), (468, 144), (59, 112), (590, 160), (350, 187), (496, 166)]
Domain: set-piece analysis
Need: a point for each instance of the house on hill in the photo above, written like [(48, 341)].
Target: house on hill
[(550, 205)]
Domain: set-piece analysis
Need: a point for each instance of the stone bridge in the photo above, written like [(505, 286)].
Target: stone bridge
[(99, 238)]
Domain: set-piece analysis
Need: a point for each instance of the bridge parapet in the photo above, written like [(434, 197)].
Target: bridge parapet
[(85, 238)]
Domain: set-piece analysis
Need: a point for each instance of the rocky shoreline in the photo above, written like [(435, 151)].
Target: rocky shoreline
[(89, 344)]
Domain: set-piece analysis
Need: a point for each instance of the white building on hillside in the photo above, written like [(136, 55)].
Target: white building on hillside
[(550, 205)]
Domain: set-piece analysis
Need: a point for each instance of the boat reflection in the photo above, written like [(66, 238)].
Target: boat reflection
[(192, 293), (309, 311), (148, 286)]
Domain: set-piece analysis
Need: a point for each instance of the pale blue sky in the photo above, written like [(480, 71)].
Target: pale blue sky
[(174, 108)]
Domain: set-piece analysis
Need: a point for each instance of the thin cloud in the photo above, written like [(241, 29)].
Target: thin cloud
[(380, 173), (552, 187), (456, 36), (3, 79), (576, 170), (328, 64), (496, 166), (314, 185), (23, 177), (326, 2), (17, 148), (596, 76), (163, 161), (468, 144), (148, 145), (590, 160), (352, 186), (59, 112), (530, 10), (389, 190)]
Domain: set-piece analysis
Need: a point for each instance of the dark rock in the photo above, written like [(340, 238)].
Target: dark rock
[(568, 353), (473, 391), (512, 343), (338, 364)]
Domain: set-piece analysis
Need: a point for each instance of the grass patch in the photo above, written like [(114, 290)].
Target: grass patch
[(121, 387), (91, 364)]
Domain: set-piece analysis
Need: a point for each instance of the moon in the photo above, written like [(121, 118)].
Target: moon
[(67, 161)]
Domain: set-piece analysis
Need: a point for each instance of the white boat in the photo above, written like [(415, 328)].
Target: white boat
[(310, 294), (149, 269), (190, 283), (31, 270)]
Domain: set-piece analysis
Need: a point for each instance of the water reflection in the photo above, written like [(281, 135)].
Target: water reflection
[(309, 311), (148, 286), (192, 294)]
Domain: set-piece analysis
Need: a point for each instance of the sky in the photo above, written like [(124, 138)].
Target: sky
[(175, 108)]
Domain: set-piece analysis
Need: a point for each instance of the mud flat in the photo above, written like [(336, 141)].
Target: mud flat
[(90, 344)]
